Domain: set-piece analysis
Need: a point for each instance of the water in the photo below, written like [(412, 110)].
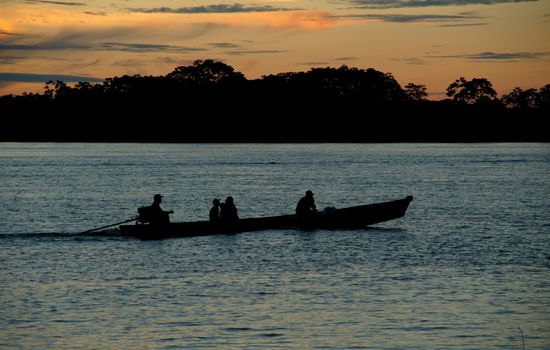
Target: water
[(468, 266)]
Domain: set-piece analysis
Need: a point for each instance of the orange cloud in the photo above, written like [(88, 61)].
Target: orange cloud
[(309, 20), (31, 19), (6, 26), (299, 19)]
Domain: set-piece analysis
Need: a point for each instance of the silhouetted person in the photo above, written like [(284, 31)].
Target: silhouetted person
[(215, 211), (228, 212), (157, 215), (306, 206)]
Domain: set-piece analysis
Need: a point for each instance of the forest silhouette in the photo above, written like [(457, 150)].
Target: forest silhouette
[(211, 102)]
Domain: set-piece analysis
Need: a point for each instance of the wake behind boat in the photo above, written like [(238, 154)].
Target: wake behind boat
[(351, 217)]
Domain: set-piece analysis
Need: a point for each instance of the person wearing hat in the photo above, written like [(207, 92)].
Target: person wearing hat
[(306, 205), (215, 211), (159, 216)]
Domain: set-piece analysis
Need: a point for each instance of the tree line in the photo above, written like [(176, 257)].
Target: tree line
[(209, 101)]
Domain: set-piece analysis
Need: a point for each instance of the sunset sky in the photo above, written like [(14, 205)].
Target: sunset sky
[(430, 42)]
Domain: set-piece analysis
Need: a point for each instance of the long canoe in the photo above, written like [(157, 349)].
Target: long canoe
[(351, 217)]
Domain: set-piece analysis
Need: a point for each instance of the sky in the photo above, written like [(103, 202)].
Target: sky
[(427, 42)]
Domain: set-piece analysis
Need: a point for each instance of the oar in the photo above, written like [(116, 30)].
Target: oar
[(117, 223)]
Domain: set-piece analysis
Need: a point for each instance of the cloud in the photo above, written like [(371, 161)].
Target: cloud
[(410, 60), (253, 52), (218, 8), (346, 58), (3, 32), (11, 59), (16, 58), (496, 56), (98, 13), (40, 78), (64, 3), (386, 4), (224, 45), (402, 18), (115, 38), (238, 50), (107, 46), (145, 47), (327, 63), (43, 46), (465, 24), (314, 63), (70, 38)]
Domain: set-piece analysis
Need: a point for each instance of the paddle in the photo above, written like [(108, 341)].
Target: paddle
[(117, 223)]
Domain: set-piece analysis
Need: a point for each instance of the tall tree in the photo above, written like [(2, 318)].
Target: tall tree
[(544, 97), (471, 91), (522, 99), (416, 92), (57, 89), (206, 72)]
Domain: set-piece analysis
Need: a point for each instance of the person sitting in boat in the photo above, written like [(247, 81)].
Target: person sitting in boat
[(154, 213), (215, 211), (228, 212), (306, 205)]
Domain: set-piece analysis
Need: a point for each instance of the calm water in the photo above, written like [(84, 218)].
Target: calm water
[(468, 267)]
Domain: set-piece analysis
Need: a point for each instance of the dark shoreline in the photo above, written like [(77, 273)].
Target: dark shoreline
[(210, 102)]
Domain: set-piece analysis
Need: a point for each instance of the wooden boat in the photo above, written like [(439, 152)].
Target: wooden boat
[(351, 217)]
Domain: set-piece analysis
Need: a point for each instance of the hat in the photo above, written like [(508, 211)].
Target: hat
[(309, 192), (158, 196)]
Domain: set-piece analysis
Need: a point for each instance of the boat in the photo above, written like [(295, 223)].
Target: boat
[(345, 218)]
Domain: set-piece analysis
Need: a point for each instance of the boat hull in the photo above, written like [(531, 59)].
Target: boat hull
[(351, 217)]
